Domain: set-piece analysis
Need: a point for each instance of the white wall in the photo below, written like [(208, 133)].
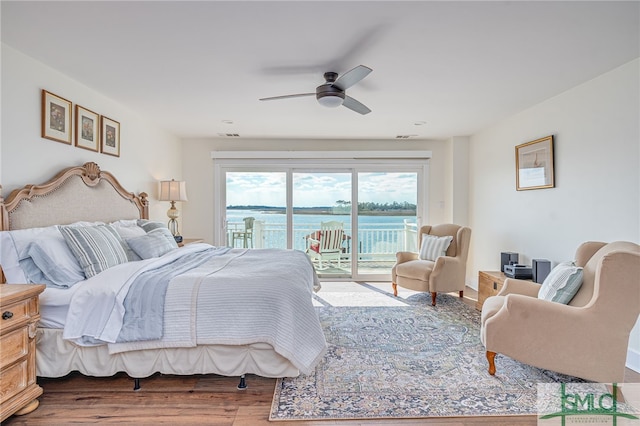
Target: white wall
[(198, 172), (597, 163), (459, 180), (147, 153)]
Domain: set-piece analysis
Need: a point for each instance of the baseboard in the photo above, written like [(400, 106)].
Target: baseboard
[(633, 359), (472, 284)]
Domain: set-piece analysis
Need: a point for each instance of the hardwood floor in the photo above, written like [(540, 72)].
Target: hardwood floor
[(204, 399), (208, 399)]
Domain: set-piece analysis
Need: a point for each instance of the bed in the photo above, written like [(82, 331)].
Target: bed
[(223, 311)]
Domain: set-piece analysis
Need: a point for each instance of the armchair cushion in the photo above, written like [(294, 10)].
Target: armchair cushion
[(433, 247), (417, 269), (562, 283)]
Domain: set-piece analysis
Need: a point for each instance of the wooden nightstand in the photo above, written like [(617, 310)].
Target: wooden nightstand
[(489, 284), (20, 315)]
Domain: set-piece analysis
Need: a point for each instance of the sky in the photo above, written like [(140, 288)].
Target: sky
[(318, 189)]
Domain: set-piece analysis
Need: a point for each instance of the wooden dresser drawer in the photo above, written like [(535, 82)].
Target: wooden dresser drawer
[(14, 314), (15, 345), (20, 314), (14, 380)]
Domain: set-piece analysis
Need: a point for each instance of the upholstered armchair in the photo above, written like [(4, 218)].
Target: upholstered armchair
[(586, 338), (436, 273)]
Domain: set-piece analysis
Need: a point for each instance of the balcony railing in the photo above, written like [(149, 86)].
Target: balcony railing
[(375, 241)]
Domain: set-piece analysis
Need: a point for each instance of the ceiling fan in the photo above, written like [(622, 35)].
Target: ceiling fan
[(332, 93)]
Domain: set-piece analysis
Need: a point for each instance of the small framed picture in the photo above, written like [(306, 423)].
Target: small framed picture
[(87, 129), (534, 164), (110, 136), (56, 118)]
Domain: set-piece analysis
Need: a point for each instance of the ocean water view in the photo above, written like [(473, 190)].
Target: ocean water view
[(378, 235)]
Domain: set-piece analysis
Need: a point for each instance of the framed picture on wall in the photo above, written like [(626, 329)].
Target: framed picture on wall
[(56, 118), (110, 136), (87, 129), (534, 164)]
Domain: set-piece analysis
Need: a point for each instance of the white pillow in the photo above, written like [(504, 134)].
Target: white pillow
[(128, 228), (32, 274), (150, 225), (97, 248), (562, 283), (153, 244), (14, 246), (433, 247), (56, 261)]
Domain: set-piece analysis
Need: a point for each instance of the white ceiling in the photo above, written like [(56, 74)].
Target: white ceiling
[(456, 66)]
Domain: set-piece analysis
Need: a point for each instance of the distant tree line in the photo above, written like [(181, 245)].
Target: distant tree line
[(342, 207), (364, 207)]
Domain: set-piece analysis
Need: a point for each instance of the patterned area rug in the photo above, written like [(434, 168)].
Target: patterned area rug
[(407, 361)]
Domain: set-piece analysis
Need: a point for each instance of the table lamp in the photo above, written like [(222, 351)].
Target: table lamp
[(173, 190)]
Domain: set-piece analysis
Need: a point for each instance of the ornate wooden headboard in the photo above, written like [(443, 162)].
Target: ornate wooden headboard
[(83, 193)]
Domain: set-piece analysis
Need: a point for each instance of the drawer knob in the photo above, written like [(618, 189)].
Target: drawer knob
[(7, 315)]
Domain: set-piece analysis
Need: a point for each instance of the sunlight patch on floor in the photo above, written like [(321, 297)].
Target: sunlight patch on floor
[(358, 294)]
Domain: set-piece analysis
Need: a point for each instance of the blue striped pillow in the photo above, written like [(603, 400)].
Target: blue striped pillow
[(433, 247), (154, 244), (562, 283), (150, 225), (97, 248)]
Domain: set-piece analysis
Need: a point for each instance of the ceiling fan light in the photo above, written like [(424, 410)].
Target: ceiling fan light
[(331, 101)]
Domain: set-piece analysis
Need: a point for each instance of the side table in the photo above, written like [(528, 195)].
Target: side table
[(489, 284), (20, 315)]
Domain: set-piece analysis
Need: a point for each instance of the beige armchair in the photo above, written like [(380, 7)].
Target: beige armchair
[(587, 338), (444, 274)]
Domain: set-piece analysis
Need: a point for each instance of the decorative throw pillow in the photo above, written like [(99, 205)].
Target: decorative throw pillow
[(315, 247), (97, 248), (154, 244), (433, 247), (149, 225), (562, 283)]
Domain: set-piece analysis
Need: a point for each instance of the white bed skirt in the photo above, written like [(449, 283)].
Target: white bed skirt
[(56, 357)]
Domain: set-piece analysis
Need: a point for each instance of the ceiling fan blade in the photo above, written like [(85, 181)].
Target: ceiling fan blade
[(351, 77), (298, 95), (354, 105)]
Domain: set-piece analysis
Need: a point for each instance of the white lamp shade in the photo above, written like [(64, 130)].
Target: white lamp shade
[(173, 190)]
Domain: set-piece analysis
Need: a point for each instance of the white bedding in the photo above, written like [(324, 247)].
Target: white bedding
[(54, 306), (56, 357), (32, 249), (243, 297)]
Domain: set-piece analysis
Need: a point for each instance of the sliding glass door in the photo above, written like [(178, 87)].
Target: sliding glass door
[(350, 221), (322, 220), (386, 219)]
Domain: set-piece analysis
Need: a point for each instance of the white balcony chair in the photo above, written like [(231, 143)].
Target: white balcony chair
[(246, 235), (327, 244)]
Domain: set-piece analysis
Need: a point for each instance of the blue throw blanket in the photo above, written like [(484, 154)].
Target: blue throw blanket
[(144, 303)]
